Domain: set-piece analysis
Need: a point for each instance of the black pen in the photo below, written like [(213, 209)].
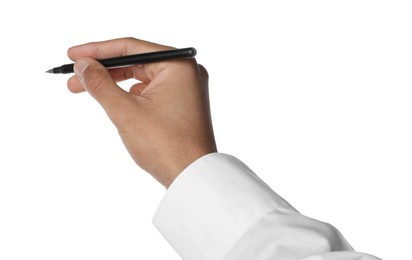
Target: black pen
[(136, 59)]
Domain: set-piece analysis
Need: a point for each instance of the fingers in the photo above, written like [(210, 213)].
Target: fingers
[(74, 85), (137, 89), (114, 48), (133, 72), (118, 75), (94, 78)]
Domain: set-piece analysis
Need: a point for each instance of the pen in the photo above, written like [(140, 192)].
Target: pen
[(135, 59)]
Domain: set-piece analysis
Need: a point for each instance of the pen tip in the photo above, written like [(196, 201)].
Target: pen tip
[(49, 71)]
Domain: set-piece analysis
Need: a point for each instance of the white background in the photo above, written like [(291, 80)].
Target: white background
[(315, 96)]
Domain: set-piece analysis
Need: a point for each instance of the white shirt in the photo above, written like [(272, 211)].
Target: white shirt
[(218, 209)]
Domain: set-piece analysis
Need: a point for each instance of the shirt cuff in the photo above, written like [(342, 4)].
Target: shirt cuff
[(211, 204)]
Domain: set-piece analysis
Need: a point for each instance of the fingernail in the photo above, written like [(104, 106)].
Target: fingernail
[(80, 66)]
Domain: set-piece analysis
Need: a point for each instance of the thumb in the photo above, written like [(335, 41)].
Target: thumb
[(95, 78)]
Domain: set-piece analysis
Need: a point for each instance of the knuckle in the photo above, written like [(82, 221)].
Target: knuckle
[(203, 72)]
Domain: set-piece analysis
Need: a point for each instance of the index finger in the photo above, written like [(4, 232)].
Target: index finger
[(114, 48)]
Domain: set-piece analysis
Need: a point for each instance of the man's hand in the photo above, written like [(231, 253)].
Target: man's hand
[(164, 120)]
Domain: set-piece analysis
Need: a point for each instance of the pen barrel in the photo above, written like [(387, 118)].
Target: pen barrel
[(148, 57), (136, 59)]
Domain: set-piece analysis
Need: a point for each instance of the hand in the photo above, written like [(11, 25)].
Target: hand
[(164, 120)]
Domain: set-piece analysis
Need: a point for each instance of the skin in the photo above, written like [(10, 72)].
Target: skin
[(164, 120)]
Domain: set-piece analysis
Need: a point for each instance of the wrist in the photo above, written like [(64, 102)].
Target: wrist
[(177, 167)]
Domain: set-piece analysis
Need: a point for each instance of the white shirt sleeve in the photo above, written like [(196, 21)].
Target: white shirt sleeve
[(218, 209)]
